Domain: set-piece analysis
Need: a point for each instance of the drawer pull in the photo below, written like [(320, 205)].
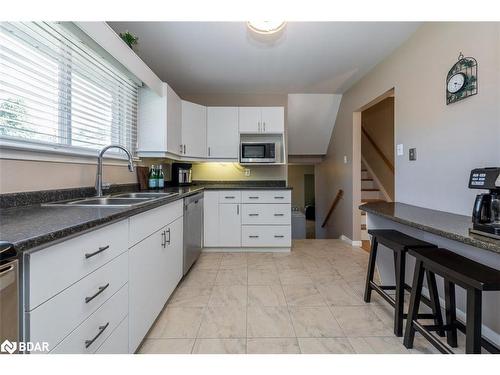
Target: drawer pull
[(230, 197), (253, 214), (278, 236), (279, 214), (253, 197), (101, 330), (253, 236), (277, 197), (101, 249), (99, 291), (163, 239), (167, 242)]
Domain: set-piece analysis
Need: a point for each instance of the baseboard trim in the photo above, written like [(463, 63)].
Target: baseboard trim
[(350, 242), (246, 250)]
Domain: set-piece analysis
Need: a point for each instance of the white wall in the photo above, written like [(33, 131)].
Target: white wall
[(450, 139)]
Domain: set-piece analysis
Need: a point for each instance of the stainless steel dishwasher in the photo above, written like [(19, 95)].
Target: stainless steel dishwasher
[(193, 229)]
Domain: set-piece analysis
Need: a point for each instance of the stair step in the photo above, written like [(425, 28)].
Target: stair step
[(372, 200), (364, 170), (370, 189), (367, 179)]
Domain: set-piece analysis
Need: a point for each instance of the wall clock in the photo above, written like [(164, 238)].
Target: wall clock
[(461, 81)]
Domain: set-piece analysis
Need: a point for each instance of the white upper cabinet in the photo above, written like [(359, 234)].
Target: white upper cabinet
[(254, 120), (194, 130), (250, 119), (222, 132), (159, 121), (273, 120)]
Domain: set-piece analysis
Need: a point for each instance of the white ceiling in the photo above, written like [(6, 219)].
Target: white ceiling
[(227, 58)]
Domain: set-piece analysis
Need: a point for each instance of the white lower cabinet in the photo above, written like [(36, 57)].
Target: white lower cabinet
[(247, 218), (229, 225), (117, 342), (155, 268)]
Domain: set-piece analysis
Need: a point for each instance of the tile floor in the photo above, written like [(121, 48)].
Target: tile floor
[(306, 301)]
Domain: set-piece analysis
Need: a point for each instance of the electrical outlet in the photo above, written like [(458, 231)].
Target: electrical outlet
[(412, 154), (247, 172), (345, 159), (400, 150)]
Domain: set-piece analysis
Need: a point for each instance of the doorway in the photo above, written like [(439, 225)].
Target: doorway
[(301, 180), (376, 145)]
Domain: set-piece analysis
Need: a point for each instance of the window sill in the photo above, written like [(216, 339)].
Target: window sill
[(33, 151)]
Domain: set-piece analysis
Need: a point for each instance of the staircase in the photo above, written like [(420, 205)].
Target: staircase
[(369, 193)]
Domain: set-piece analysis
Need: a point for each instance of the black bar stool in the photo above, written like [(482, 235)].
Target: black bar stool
[(399, 243), (455, 269)]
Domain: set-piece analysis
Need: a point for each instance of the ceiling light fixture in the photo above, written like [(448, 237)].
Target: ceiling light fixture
[(266, 27)]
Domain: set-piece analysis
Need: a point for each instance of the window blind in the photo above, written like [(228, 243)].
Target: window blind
[(55, 89)]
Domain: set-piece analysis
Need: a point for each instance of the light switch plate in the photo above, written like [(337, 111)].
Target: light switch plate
[(400, 150)]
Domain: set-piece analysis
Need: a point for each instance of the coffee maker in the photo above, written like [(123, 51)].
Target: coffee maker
[(181, 174), (486, 212)]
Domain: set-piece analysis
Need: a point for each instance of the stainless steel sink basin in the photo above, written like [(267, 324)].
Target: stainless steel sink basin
[(145, 195), (102, 202)]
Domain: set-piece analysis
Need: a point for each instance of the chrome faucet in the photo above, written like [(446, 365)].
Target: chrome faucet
[(98, 180)]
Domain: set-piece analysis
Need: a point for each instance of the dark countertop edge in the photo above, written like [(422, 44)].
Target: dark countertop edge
[(236, 187), (475, 242), (26, 246)]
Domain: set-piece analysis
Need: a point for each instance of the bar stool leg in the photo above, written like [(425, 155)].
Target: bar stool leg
[(416, 294), (371, 270), (451, 313), (400, 292), (473, 322), (434, 297)]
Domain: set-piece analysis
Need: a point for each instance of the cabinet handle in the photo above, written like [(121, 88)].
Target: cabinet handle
[(237, 209), (278, 236), (229, 197), (253, 214), (163, 239), (101, 330), (264, 124), (253, 236), (168, 241), (6, 270), (184, 149), (181, 148), (279, 197), (279, 214), (258, 126), (99, 291), (253, 197), (209, 151), (101, 249)]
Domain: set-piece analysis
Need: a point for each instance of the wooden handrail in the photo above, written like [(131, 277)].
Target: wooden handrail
[(339, 196), (379, 151)]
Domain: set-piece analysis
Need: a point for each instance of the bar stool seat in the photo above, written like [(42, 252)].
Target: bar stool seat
[(399, 243), (455, 269)]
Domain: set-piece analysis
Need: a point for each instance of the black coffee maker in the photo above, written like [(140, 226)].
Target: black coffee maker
[(486, 212)]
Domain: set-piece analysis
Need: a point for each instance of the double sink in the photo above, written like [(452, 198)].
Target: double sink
[(119, 200)]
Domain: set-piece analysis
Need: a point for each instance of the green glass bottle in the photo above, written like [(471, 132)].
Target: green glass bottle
[(152, 181), (160, 177)]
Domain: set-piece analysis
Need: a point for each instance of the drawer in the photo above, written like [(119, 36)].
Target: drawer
[(230, 196), (266, 196), (55, 268), (270, 214), (266, 236), (94, 331), (117, 342), (57, 317), (146, 223)]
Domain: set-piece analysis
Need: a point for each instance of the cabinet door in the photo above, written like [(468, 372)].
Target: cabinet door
[(173, 256), (222, 132), (146, 285), (230, 225), (273, 120), (151, 121), (194, 130), (174, 120), (211, 218), (250, 119)]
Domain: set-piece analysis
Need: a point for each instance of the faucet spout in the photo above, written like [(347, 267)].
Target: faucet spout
[(98, 180)]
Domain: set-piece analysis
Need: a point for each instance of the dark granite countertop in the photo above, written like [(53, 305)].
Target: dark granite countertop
[(452, 226), (32, 227)]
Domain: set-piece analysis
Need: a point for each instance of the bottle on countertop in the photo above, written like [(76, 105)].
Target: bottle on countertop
[(160, 177), (152, 181)]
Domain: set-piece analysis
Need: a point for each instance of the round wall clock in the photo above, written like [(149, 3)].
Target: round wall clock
[(461, 81)]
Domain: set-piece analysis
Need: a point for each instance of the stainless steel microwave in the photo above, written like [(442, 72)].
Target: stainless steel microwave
[(257, 152)]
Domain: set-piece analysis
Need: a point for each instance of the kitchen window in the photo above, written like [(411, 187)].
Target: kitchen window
[(58, 91)]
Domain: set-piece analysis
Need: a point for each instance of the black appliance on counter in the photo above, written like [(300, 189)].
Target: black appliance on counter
[(181, 174), (486, 212)]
